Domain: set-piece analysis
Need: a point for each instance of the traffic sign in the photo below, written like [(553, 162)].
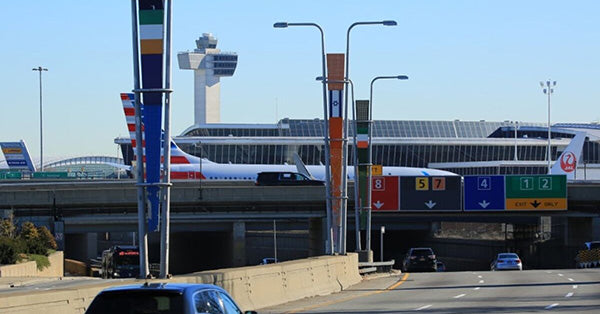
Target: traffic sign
[(440, 193), (485, 193), (384, 193), (536, 192)]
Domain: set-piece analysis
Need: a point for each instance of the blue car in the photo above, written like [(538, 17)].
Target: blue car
[(165, 298)]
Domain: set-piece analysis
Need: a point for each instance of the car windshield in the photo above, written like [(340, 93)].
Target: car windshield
[(500, 256), (421, 252), (137, 301)]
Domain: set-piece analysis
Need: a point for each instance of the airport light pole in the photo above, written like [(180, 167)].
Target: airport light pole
[(329, 247), (342, 239), (516, 123), (370, 155), (548, 89), (41, 69), (347, 73)]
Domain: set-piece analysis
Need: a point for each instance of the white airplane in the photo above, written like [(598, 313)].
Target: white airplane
[(186, 166)]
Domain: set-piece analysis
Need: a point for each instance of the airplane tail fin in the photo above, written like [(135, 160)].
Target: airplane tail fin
[(567, 161), (301, 167), (178, 156)]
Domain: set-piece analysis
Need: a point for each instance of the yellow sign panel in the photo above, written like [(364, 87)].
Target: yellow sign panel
[(422, 183), (376, 170), (536, 204), (12, 150)]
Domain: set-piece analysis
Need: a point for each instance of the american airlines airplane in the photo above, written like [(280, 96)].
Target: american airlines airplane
[(186, 166)]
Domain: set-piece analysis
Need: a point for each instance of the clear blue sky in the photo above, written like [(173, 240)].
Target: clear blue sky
[(467, 60)]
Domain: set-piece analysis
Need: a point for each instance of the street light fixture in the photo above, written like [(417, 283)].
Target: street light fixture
[(548, 89), (41, 69), (347, 73), (370, 154), (325, 128)]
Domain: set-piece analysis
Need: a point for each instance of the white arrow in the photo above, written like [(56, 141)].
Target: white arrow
[(378, 204), (430, 204), (484, 204)]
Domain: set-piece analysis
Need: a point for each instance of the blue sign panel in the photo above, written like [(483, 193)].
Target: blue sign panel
[(484, 193)]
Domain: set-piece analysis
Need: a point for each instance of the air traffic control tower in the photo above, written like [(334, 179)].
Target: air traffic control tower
[(209, 65)]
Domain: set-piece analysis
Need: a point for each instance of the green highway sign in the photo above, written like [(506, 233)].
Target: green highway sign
[(536, 192)]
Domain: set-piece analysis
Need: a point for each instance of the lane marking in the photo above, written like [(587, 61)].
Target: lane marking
[(423, 307), (574, 286), (479, 276), (570, 294), (477, 288), (481, 281), (459, 296), (570, 279), (560, 275), (551, 306), (401, 281), (312, 307)]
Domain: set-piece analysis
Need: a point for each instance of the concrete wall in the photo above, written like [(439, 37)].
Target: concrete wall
[(29, 269), (252, 287)]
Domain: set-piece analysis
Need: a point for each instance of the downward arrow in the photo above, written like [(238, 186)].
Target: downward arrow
[(484, 204), (430, 204), (535, 204), (378, 204)]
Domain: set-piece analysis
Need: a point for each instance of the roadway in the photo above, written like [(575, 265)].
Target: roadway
[(565, 290)]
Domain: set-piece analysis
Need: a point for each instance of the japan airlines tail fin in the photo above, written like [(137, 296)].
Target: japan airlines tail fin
[(567, 161), (178, 156)]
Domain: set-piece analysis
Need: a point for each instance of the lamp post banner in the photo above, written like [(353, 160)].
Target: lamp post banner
[(151, 24), (335, 70)]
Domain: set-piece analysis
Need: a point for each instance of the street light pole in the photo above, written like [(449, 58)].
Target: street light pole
[(516, 128), (41, 69), (370, 155), (347, 77), (329, 247), (548, 89)]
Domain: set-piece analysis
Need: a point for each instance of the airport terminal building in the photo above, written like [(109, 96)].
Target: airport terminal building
[(463, 147)]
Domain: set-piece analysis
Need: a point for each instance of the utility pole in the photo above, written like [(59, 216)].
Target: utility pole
[(41, 69)]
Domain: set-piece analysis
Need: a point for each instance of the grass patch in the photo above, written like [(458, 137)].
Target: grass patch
[(41, 261)]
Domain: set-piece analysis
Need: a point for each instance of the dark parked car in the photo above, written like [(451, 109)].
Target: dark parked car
[(164, 298), (419, 259), (285, 178)]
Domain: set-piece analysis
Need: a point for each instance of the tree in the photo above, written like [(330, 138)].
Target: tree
[(28, 231), (7, 228), (47, 238)]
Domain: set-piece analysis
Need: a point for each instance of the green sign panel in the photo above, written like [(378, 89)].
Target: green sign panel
[(50, 175), (536, 192), (10, 175)]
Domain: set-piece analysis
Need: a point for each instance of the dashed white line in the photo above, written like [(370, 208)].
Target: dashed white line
[(570, 294), (551, 306), (477, 288), (560, 275), (459, 296), (479, 276), (575, 286), (423, 307), (481, 281), (570, 279)]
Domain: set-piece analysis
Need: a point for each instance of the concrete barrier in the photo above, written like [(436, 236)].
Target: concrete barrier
[(253, 287), (29, 269)]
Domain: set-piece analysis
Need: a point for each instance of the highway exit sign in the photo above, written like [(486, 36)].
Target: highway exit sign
[(536, 192)]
